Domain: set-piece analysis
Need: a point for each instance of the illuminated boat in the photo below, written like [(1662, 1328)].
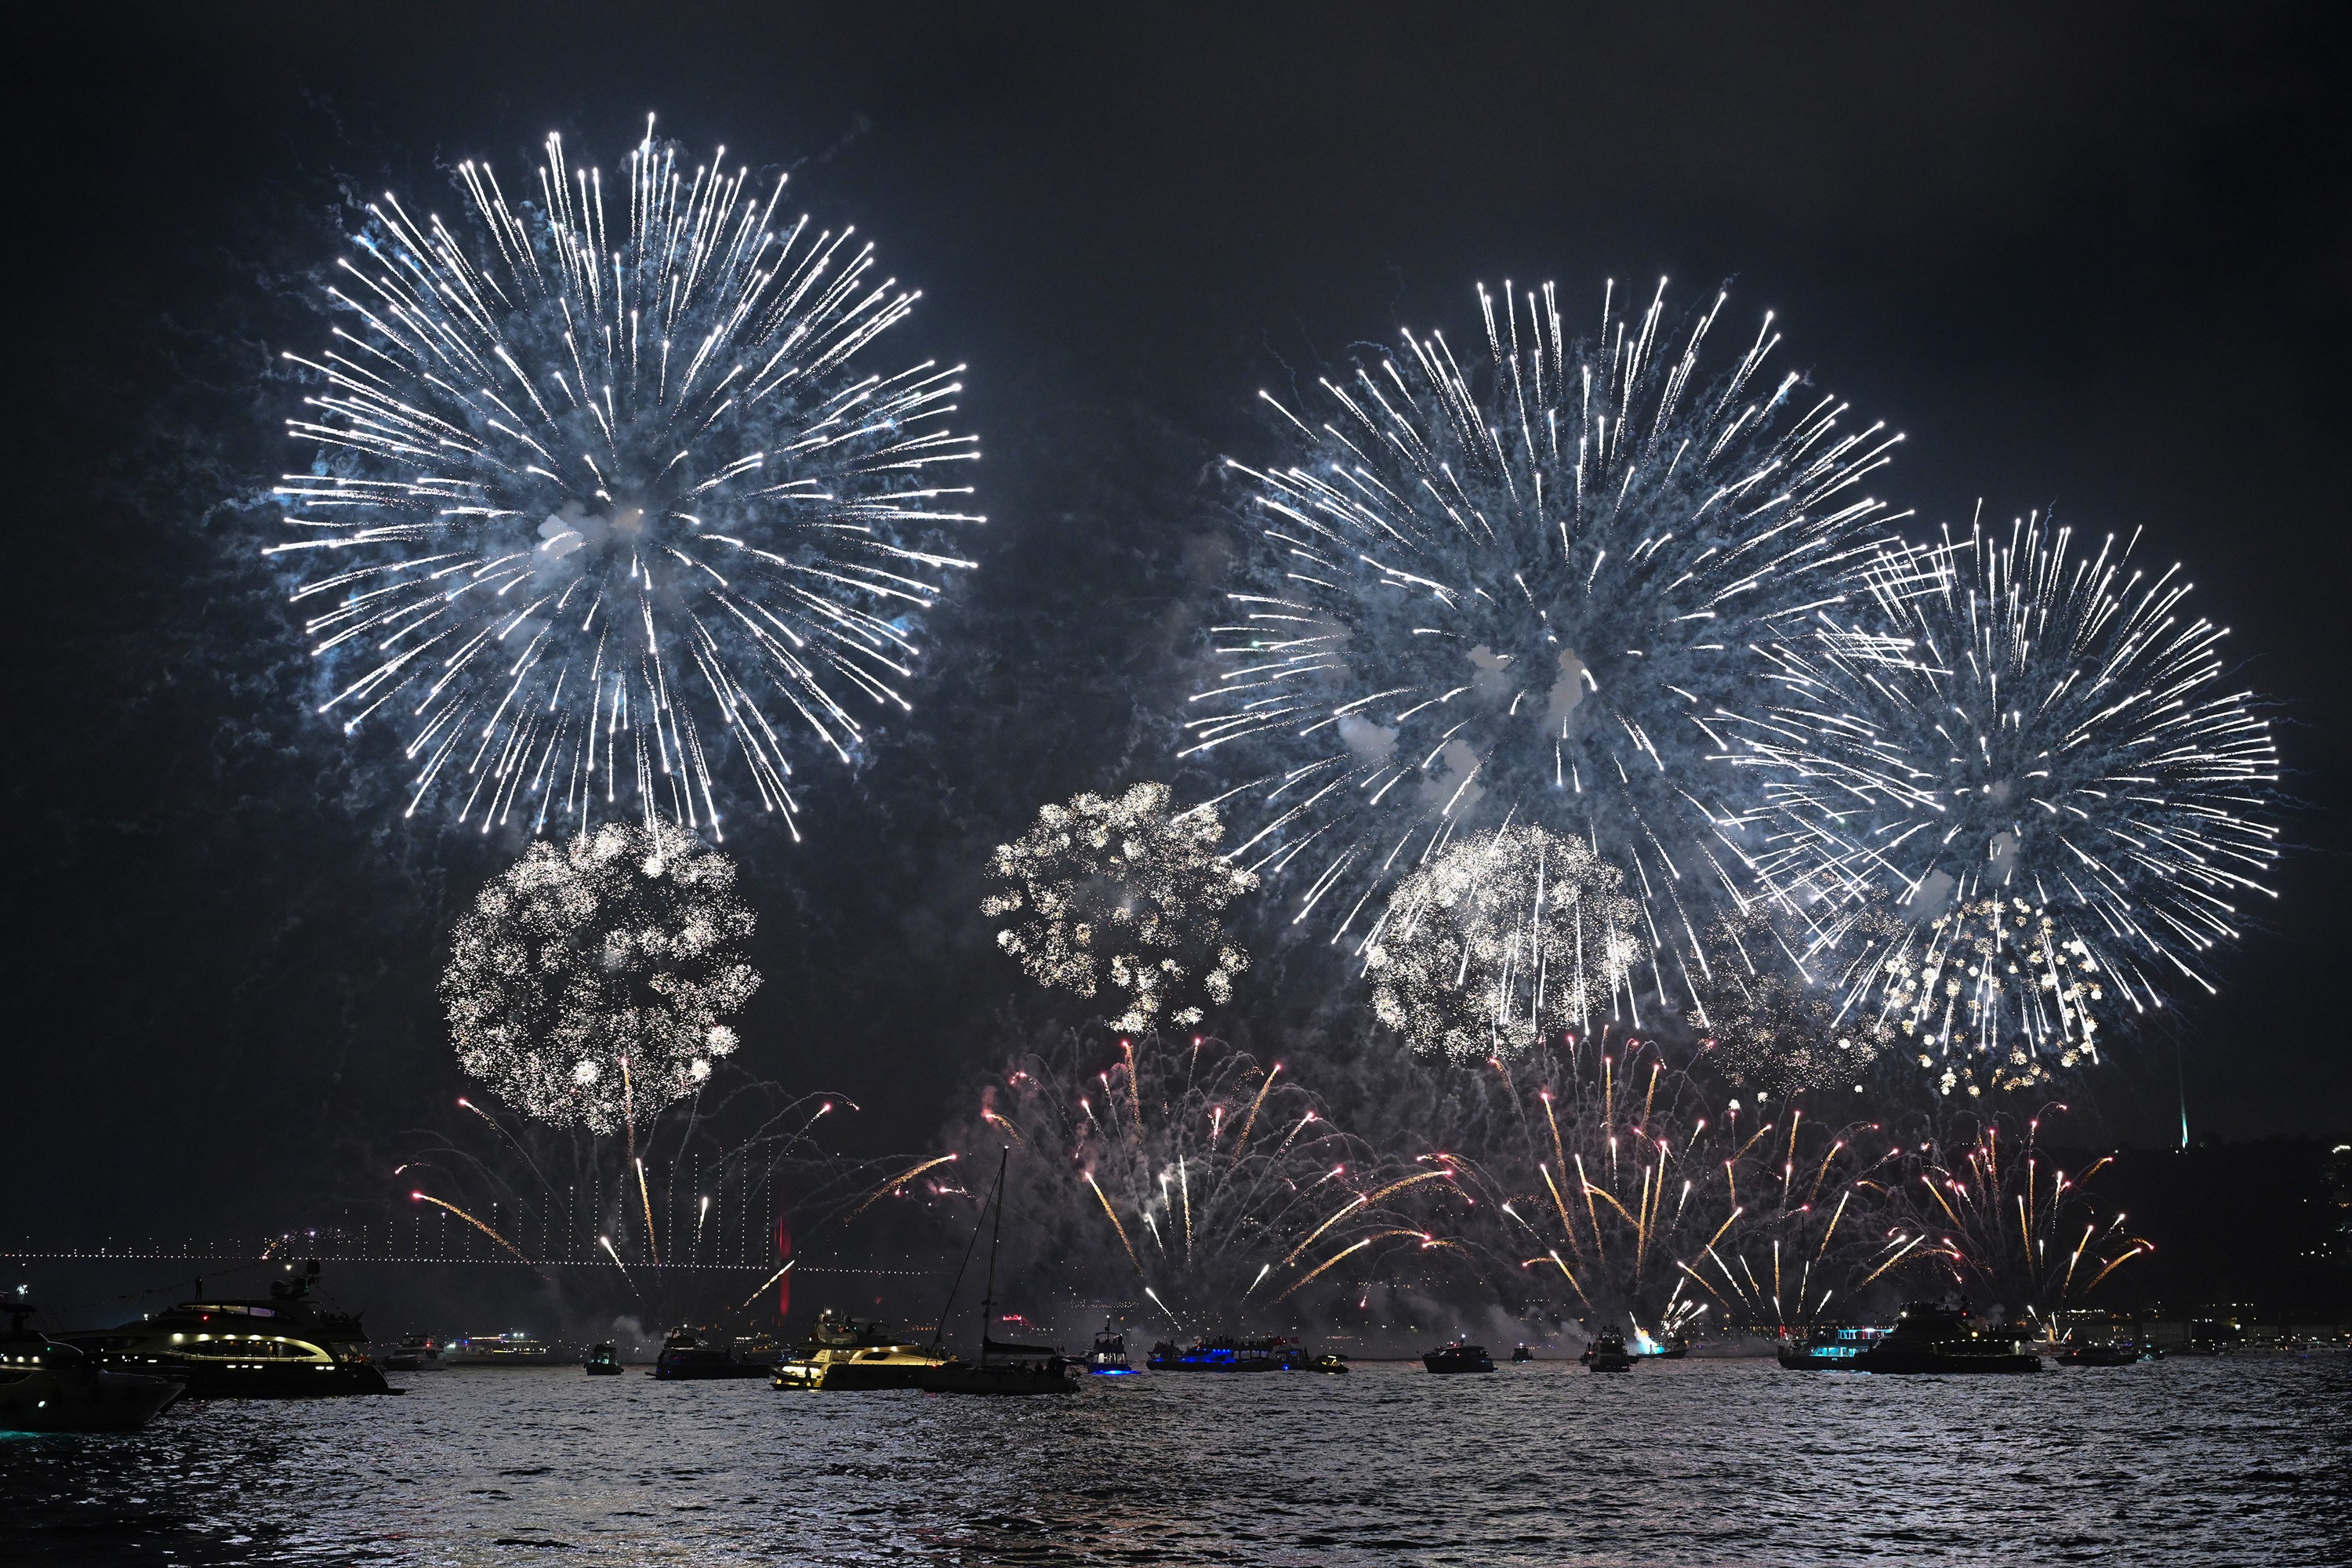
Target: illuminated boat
[(496, 1349), (1269, 1353), (49, 1386), (415, 1352), (1519, 1352), (2105, 1352), (1829, 1350), (1607, 1352), (1455, 1356), (287, 1347), (603, 1361), (850, 1353), (1925, 1339), (1108, 1358), (691, 1353)]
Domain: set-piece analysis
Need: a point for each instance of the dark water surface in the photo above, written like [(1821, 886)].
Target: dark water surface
[(2233, 1461)]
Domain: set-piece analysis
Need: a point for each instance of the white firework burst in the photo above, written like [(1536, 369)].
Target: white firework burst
[(601, 503), (1126, 896), (1521, 596), (1501, 939), (2048, 779), (591, 984)]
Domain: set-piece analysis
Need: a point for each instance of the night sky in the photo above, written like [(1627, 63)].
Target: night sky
[(2099, 260)]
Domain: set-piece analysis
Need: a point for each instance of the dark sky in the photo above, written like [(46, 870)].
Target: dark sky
[(2090, 255)]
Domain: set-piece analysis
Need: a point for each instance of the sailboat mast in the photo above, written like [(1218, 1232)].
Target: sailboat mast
[(988, 1302)]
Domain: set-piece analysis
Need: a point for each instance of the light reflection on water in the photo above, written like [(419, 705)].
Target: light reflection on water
[(2235, 1461)]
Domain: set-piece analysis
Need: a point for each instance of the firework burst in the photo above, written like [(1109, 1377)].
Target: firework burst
[(1522, 595), (1123, 896), (1216, 1183), (600, 503), (1609, 1170), (1500, 939), (1990, 1210), (2041, 770), (590, 985)]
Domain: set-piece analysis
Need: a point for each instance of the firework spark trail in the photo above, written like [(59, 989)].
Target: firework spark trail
[(1352, 1247), (653, 1242), (2050, 788), (1527, 605), (592, 977), (591, 506), (469, 1219), (614, 1253), (1113, 1213), (1127, 896), (898, 1182)]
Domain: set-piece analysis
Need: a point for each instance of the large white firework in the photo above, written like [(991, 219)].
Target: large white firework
[(2051, 784), (1522, 594), (1125, 896), (600, 503), (1502, 939), (591, 984)]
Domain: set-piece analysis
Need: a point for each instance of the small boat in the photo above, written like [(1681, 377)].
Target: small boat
[(852, 1353), (284, 1347), (1455, 1356), (415, 1352), (1645, 1348), (1108, 1358), (1928, 1338), (496, 1349), (603, 1361), (2106, 1352), (692, 1353), (1520, 1353), (47, 1386), (1001, 1368), (1607, 1352)]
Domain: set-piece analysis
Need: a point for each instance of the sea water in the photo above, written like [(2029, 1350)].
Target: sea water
[(2236, 1461)]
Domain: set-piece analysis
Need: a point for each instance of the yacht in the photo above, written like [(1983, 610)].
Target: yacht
[(1455, 1356), (286, 1346), (496, 1349), (691, 1353), (603, 1361), (1930, 1338), (851, 1353), (415, 1352), (1607, 1352), (49, 1386)]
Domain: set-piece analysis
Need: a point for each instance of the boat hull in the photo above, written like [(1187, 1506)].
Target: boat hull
[(43, 1399), (208, 1378), (1934, 1363), (854, 1376)]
